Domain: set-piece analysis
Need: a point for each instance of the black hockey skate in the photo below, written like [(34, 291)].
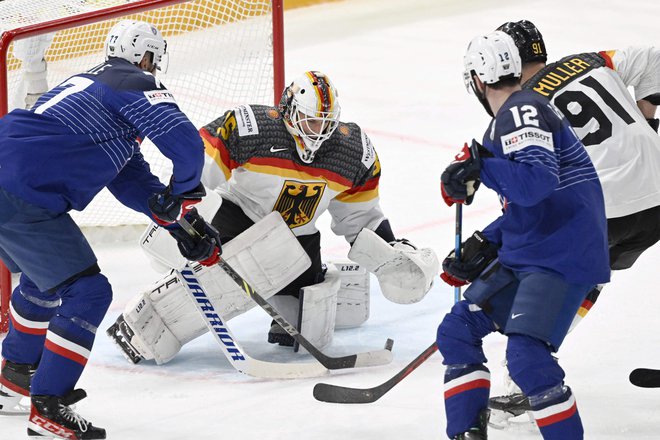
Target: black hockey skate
[(15, 382), (504, 411), (121, 334), (515, 404), (51, 417), (479, 432)]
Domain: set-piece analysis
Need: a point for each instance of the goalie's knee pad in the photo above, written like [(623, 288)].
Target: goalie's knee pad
[(353, 297), (314, 312)]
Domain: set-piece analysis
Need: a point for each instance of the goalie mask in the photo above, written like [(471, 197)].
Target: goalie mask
[(310, 110), (131, 40), (491, 58)]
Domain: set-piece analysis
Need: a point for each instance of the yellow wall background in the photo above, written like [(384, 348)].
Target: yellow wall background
[(199, 14)]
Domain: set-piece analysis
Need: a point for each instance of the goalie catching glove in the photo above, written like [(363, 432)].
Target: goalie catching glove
[(476, 253), (405, 273)]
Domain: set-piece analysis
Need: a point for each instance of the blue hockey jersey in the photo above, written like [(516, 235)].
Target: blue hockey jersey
[(553, 210), (84, 135)]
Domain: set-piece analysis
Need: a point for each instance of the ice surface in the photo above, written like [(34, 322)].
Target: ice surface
[(398, 68)]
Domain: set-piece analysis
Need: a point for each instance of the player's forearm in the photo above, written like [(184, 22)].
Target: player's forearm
[(647, 108), (520, 183)]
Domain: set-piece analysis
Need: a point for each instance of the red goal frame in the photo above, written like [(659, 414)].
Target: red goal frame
[(92, 17)]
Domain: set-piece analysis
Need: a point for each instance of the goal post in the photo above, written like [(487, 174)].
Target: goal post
[(221, 53)]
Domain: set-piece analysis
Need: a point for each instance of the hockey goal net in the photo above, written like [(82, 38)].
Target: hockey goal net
[(221, 53)]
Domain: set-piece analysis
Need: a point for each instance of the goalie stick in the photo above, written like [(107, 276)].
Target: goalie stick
[(236, 355), (337, 394), (645, 378), (364, 359)]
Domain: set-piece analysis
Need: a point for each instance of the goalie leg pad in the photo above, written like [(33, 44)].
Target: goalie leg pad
[(405, 274), (267, 255), (353, 297), (319, 309), (148, 335)]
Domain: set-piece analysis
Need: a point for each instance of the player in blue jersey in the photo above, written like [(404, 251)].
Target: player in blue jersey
[(80, 137), (532, 267), (592, 91)]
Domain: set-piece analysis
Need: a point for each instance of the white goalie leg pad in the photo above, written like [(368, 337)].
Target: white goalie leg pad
[(151, 337), (267, 255), (161, 248), (313, 314), (405, 274), (353, 297), (319, 309)]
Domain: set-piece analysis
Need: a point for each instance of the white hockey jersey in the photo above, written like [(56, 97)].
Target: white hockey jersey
[(591, 90), (252, 161)]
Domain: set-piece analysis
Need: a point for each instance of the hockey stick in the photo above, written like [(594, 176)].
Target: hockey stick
[(236, 355), (337, 394), (457, 245), (364, 359), (645, 378)]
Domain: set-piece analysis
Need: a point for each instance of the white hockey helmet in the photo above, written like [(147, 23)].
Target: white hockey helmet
[(130, 40), (491, 58), (310, 109)]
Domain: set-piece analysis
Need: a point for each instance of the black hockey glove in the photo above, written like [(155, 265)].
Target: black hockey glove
[(204, 246), (167, 208), (460, 180), (476, 253), (654, 123)]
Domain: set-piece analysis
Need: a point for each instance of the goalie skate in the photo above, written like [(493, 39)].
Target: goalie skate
[(121, 334), (511, 412)]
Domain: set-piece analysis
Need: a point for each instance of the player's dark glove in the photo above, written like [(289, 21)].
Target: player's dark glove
[(460, 180), (167, 208), (654, 123), (476, 253), (204, 246)]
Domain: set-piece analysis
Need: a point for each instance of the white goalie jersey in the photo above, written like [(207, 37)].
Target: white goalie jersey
[(591, 90), (252, 161)]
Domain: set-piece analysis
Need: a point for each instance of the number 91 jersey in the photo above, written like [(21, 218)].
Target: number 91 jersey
[(590, 90)]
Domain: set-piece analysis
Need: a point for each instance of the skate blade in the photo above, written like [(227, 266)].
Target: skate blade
[(504, 421), (16, 410)]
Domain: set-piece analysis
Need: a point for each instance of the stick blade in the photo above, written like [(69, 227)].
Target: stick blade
[(325, 392), (645, 378)]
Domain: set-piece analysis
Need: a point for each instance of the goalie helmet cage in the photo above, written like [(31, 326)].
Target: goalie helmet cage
[(222, 53)]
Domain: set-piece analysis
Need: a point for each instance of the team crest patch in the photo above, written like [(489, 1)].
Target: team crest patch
[(343, 129), (298, 202)]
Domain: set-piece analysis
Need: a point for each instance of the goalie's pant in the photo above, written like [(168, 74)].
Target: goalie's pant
[(61, 297), (230, 220), (534, 310)]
